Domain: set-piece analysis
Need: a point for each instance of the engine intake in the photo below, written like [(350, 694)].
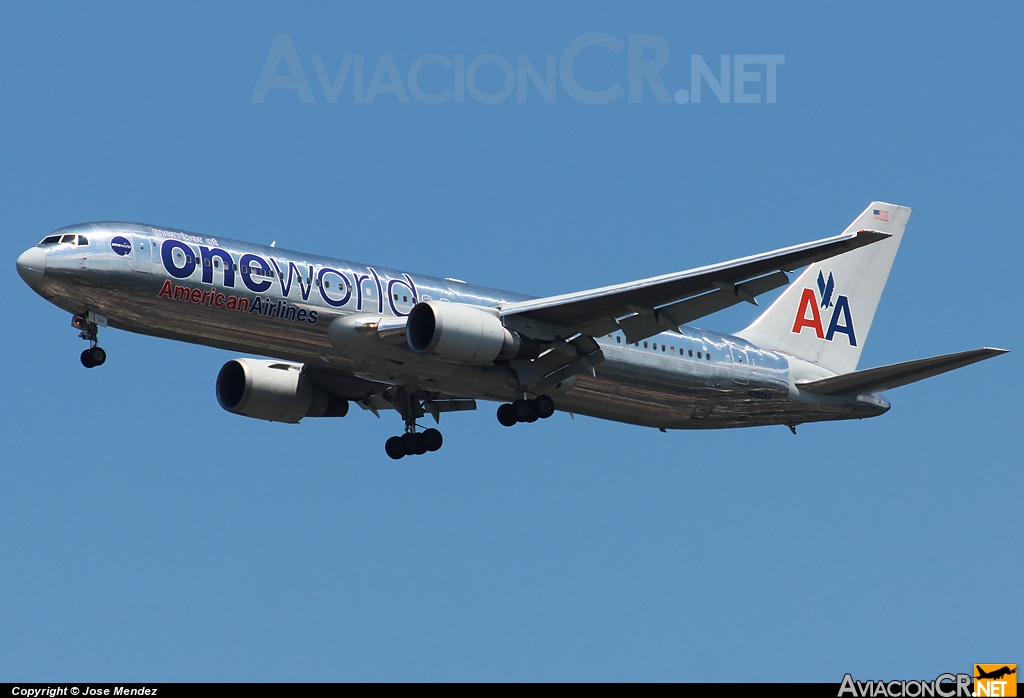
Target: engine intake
[(463, 334), (275, 391)]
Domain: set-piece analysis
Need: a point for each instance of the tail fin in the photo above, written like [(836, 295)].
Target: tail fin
[(825, 314)]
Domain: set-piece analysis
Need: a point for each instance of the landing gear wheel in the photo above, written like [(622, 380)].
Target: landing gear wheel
[(93, 357), (393, 447), (522, 410), (409, 445), (544, 406), (421, 444), (432, 439), (507, 415), (533, 416)]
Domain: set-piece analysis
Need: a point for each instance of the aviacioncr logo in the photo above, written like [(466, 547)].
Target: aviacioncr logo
[(809, 312)]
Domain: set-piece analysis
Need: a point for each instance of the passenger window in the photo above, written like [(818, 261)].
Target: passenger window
[(663, 347), (691, 353), (618, 340), (645, 345), (699, 356), (709, 357)]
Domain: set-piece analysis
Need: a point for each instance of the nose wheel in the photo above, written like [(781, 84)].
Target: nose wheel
[(93, 356)]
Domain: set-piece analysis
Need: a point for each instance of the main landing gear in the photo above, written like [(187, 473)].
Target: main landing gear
[(93, 356), (529, 411), (412, 442)]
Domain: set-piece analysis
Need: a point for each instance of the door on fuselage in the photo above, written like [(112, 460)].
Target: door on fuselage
[(144, 254)]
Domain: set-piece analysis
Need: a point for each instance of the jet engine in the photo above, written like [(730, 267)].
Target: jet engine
[(464, 334), (275, 391)]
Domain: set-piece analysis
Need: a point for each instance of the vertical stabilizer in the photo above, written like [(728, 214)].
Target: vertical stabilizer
[(825, 314)]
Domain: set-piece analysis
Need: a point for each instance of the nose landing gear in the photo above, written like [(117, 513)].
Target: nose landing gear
[(93, 356)]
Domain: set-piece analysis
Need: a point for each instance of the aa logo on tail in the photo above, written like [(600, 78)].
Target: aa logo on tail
[(809, 312)]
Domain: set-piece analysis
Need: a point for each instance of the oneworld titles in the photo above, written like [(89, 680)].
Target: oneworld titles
[(590, 69)]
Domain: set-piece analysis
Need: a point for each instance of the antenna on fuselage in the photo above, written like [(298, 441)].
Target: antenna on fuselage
[(273, 243)]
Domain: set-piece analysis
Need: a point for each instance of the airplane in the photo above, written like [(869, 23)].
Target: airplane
[(338, 333), (995, 674)]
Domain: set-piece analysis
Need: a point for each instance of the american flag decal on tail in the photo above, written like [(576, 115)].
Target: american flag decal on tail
[(880, 215)]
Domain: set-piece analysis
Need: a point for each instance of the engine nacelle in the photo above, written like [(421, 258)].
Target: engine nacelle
[(461, 333), (275, 391)]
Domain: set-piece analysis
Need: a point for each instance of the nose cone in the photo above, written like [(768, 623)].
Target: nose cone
[(32, 266)]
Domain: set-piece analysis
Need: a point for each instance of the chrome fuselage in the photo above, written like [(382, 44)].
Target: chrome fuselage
[(279, 303)]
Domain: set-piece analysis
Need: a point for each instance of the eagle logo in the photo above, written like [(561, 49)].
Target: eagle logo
[(826, 288)]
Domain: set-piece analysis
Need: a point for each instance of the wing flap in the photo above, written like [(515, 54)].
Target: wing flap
[(873, 380), (651, 321)]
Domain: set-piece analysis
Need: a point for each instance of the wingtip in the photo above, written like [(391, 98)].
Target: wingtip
[(874, 234)]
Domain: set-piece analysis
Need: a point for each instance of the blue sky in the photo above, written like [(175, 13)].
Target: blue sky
[(148, 535)]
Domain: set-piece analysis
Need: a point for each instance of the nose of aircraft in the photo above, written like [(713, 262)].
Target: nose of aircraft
[(32, 265)]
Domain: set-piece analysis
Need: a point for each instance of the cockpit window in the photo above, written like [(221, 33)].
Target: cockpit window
[(68, 238), (50, 240), (82, 240)]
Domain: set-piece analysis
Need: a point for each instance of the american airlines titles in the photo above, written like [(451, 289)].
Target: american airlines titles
[(336, 288)]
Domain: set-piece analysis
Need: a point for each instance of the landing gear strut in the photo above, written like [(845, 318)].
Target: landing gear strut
[(529, 411), (93, 356)]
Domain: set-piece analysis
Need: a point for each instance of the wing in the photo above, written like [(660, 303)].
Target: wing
[(646, 307), (374, 395), (874, 380)]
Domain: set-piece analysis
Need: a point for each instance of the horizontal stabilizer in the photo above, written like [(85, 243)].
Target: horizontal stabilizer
[(873, 380)]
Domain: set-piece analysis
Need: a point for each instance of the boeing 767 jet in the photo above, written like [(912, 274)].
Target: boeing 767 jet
[(338, 333)]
